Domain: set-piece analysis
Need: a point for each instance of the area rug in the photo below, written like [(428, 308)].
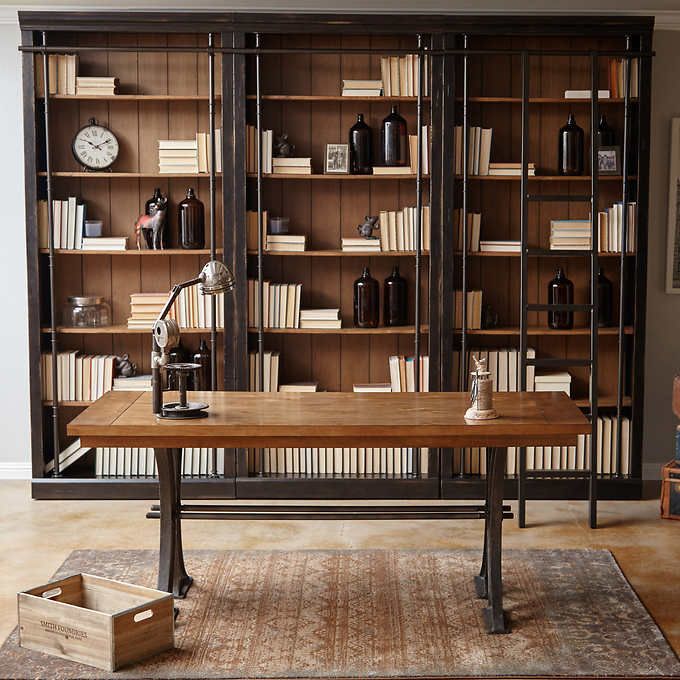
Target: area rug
[(381, 614)]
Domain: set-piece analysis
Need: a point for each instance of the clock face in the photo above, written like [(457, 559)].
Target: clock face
[(95, 147)]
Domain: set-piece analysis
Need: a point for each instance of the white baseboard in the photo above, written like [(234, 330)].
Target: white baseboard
[(15, 470)]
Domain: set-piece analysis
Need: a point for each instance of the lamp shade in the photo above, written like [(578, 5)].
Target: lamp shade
[(216, 278)]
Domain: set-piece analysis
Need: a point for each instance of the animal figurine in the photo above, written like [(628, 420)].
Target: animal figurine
[(283, 148), (370, 223), (152, 226), (123, 367)]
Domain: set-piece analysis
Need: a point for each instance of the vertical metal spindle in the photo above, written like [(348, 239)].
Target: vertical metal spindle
[(594, 266), (622, 256), (524, 276), (260, 245), (213, 235), (52, 263), (464, 208)]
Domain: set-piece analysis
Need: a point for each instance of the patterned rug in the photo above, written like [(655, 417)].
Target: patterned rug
[(381, 614)]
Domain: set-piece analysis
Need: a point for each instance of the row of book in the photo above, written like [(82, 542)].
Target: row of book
[(403, 373), (398, 229), (473, 310), (63, 72), (68, 223), (503, 364), (281, 304), (141, 462), (401, 75), (389, 462), (271, 164), (472, 461), (190, 156), (191, 309), (424, 151), (474, 228), (270, 371), (479, 150), (80, 377), (610, 226), (617, 77)]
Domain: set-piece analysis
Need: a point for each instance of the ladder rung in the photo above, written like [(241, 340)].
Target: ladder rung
[(545, 252), (558, 308), (561, 198), (557, 363)]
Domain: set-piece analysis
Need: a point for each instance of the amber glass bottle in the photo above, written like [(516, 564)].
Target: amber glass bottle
[(360, 156), (393, 142), (191, 221), (366, 301), (570, 148), (202, 376), (561, 292), (395, 293), (605, 300)]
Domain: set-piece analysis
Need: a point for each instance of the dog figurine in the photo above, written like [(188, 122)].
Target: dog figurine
[(152, 226)]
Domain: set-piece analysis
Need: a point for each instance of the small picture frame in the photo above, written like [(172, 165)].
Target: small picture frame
[(609, 160), (336, 161)]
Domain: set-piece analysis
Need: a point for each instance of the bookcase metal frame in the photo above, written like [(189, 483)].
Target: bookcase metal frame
[(446, 33)]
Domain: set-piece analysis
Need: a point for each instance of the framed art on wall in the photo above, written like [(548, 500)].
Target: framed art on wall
[(673, 242)]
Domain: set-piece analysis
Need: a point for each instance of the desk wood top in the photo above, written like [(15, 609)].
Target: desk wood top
[(327, 419)]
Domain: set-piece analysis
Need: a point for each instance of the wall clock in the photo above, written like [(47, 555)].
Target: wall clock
[(95, 147)]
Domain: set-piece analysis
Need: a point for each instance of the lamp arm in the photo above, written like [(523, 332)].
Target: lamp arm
[(174, 293)]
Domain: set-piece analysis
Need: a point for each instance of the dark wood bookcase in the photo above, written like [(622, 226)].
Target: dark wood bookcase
[(286, 71)]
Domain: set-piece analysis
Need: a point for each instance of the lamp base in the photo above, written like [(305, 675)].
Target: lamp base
[(487, 414), (175, 411)]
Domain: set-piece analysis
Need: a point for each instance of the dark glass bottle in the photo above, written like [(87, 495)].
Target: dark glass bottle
[(360, 155), (393, 140), (395, 293), (605, 133), (570, 148), (560, 292), (366, 301), (605, 298), (191, 222), (148, 209), (201, 356)]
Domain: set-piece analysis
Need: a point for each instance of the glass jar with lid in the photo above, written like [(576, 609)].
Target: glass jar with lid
[(87, 311)]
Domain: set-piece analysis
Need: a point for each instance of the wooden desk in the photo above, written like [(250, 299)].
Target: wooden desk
[(253, 420)]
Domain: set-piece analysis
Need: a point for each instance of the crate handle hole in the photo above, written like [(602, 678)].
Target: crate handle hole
[(142, 616), (52, 592)]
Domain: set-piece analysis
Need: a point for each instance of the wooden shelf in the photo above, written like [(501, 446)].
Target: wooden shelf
[(120, 329), (129, 175), (481, 178), (343, 253), (341, 178), (384, 98), (350, 330), (538, 330), (553, 253), (603, 402), (72, 404), (132, 252), (133, 97)]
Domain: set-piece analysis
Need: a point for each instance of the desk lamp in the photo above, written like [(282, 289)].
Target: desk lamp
[(214, 278)]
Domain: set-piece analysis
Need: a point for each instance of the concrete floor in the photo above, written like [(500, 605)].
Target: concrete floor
[(36, 537)]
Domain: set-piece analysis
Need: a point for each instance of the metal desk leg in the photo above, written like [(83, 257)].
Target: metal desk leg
[(481, 579), (172, 574), (493, 614)]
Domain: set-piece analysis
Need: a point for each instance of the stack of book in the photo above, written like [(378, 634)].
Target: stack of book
[(300, 387), (398, 229), (473, 310), (320, 318), (79, 377), (362, 88), (135, 383), (68, 222), (500, 246), (97, 86), (617, 77), (203, 154), (479, 150), (112, 243), (251, 149), (570, 235), (403, 373), (177, 156), (192, 309), (610, 225), (400, 76), (553, 382), (281, 304), (291, 166), (425, 151), (73, 452), (510, 169), (63, 70), (270, 371), (372, 388), (585, 94), (284, 243), (144, 309), (392, 170), (359, 244), (474, 227)]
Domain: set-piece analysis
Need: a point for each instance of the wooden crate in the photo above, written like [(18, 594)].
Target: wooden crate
[(670, 490), (96, 621)]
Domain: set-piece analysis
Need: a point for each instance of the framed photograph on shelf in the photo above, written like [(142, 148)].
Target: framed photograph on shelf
[(609, 160), (673, 236), (336, 160)]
